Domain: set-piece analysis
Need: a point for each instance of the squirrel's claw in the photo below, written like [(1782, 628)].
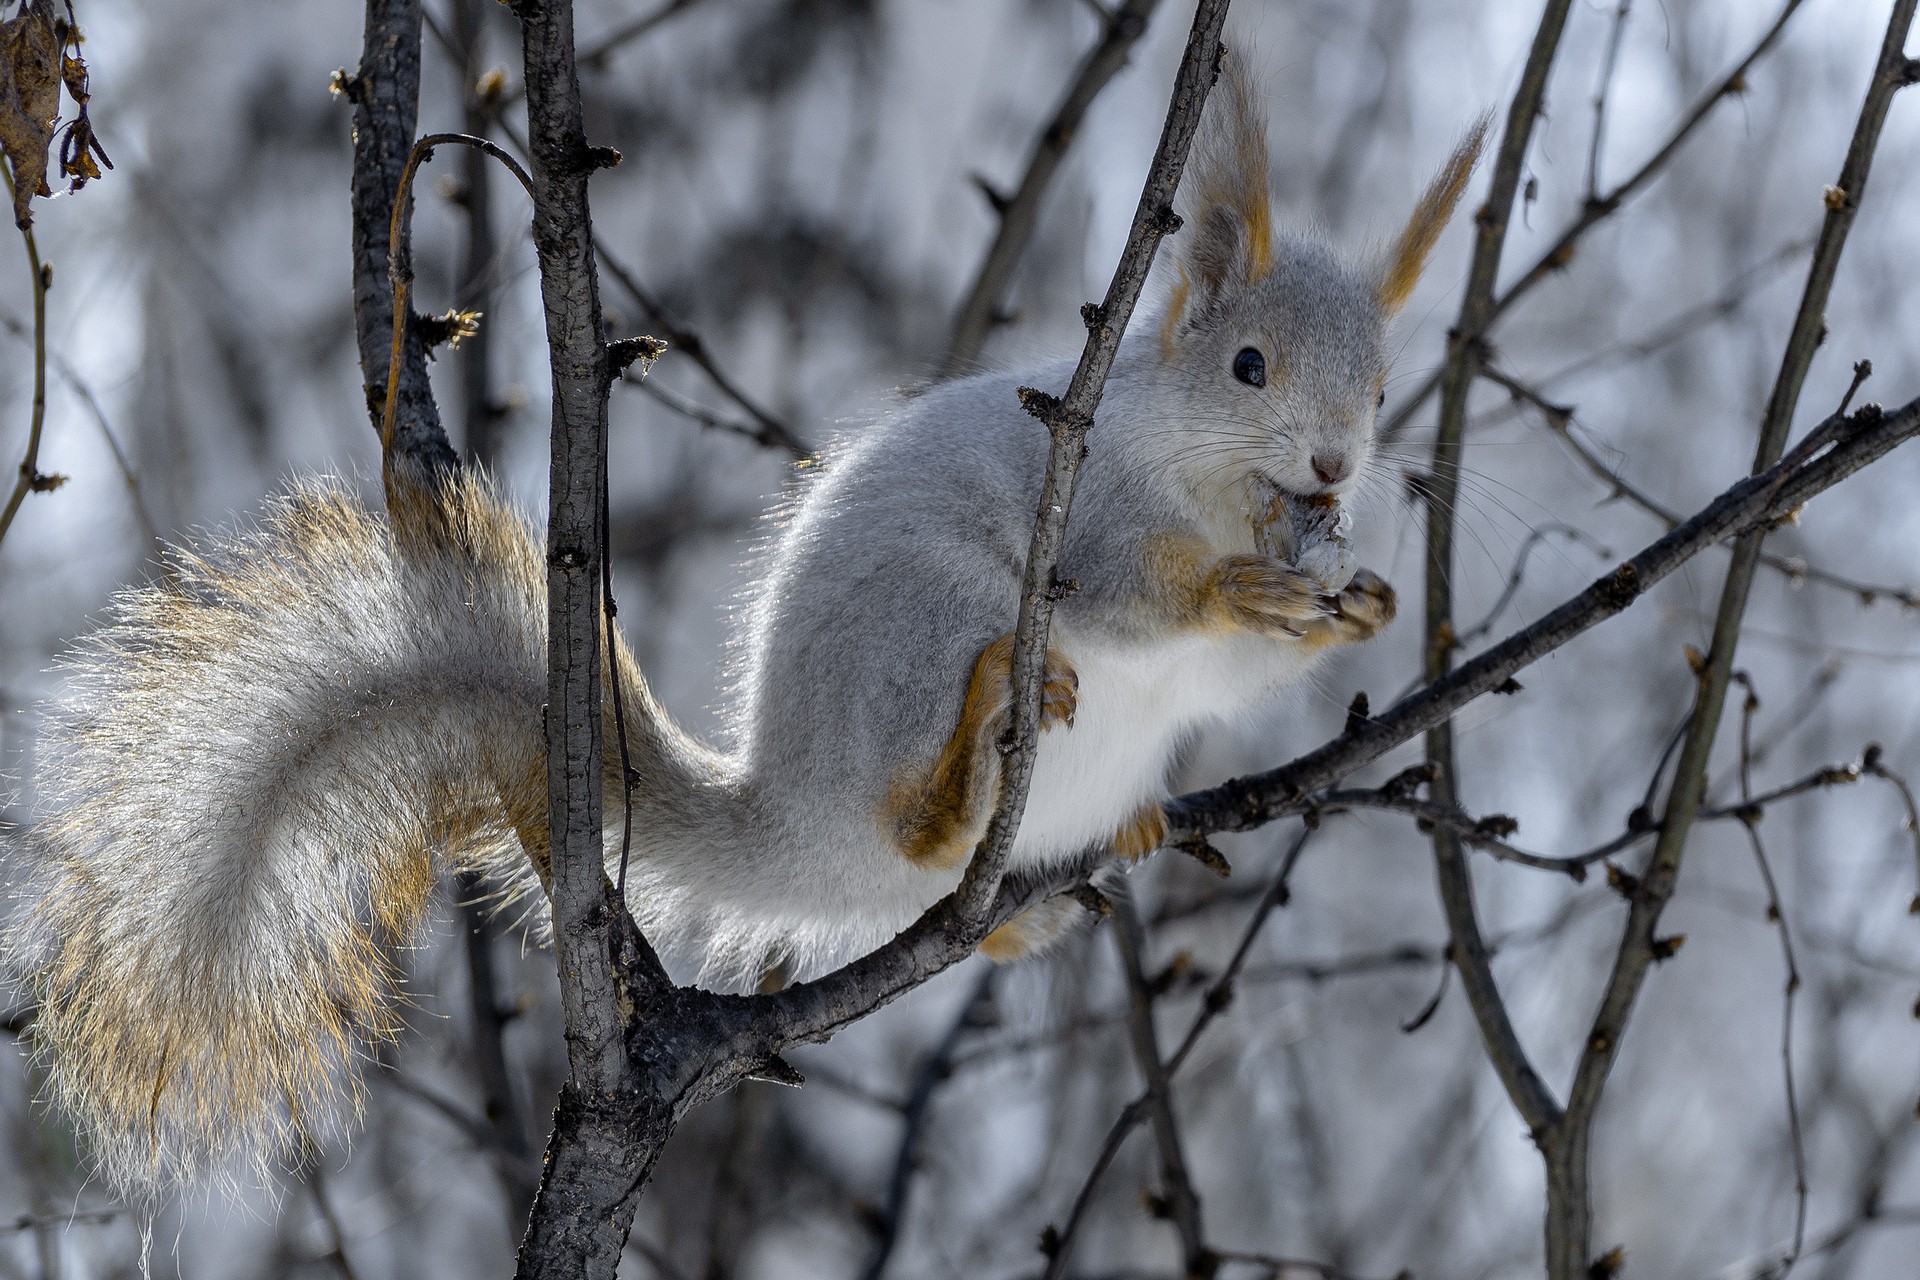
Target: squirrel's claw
[(1060, 695), (1364, 608)]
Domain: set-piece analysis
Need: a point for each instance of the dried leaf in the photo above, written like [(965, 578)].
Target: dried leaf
[(30, 64), (79, 144)]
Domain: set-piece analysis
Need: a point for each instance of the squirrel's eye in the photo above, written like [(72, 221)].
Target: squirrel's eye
[(1381, 403), (1250, 367)]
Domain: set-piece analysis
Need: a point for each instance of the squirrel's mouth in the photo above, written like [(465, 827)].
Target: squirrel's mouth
[(1263, 485)]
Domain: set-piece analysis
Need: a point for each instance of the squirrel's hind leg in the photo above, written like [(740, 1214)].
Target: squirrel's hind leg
[(1037, 927), (1144, 832), (937, 814), (1044, 923), (1032, 931)]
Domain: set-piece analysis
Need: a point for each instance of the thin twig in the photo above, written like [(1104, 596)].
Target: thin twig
[(935, 1071), (1182, 1203), (773, 433), (1515, 577), (1833, 1239), (699, 414), (1594, 212), (1488, 832), (1518, 573), (81, 388), (683, 338), (1058, 1244), (656, 1258), (1561, 419), (336, 1234), (1607, 65), (400, 257), (1687, 321), (42, 1221), (32, 479), (1020, 212), (1873, 766), (1528, 1092), (1777, 913), (477, 1129)]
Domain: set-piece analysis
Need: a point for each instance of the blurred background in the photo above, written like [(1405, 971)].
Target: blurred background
[(802, 188)]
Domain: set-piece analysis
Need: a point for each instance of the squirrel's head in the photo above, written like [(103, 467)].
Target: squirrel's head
[(1277, 344)]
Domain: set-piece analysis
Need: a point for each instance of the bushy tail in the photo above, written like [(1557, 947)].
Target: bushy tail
[(258, 765)]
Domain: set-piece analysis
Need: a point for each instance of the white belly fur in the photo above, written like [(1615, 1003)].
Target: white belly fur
[(1137, 706)]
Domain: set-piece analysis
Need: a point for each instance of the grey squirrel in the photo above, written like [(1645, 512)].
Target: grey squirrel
[(264, 762)]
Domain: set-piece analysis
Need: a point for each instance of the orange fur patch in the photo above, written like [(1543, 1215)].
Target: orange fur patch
[(1259, 218), (1144, 832), (1178, 568), (1234, 167), (1030, 931), (937, 815), (1429, 219)]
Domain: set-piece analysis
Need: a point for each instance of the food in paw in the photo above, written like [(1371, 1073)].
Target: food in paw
[(1307, 531)]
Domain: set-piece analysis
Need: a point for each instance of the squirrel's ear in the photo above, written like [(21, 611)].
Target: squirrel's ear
[(1429, 219), (1229, 240)]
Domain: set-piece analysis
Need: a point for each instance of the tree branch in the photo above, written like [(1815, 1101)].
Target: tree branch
[(400, 274), (1529, 1093), (1058, 1245), (607, 1128), (1068, 420), (385, 93), (1181, 1204), (1567, 1154), (1561, 419), (31, 479)]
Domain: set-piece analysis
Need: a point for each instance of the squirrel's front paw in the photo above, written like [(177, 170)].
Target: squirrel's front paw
[(1060, 695), (993, 676), (1267, 595), (1363, 608)]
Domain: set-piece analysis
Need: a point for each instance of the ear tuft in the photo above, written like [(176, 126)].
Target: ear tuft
[(1225, 187), (1429, 219)]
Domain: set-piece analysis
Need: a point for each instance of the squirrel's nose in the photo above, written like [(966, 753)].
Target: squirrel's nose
[(1330, 467)]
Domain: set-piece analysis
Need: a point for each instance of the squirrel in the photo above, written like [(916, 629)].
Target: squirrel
[(264, 761)]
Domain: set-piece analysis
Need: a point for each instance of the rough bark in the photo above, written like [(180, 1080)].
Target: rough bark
[(385, 92)]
